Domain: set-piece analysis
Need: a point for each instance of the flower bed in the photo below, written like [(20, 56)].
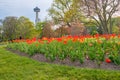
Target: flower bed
[(99, 48)]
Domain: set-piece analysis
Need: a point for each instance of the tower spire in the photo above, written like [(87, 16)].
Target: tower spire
[(37, 10)]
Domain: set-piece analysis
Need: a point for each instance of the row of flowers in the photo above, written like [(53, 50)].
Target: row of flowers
[(98, 48)]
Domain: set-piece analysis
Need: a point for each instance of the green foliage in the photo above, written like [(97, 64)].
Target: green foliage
[(66, 11), (1, 36), (39, 27), (75, 50), (26, 28), (116, 21), (116, 25), (91, 27), (10, 28), (14, 28), (116, 30)]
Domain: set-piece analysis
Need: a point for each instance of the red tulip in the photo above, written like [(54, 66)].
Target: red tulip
[(59, 39), (108, 60), (65, 42), (34, 39)]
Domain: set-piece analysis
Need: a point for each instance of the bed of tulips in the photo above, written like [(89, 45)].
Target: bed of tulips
[(99, 48)]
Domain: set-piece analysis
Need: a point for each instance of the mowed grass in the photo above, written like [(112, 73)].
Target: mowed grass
[(15, 67)]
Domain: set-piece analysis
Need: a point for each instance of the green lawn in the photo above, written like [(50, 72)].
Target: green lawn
[(14, 67)]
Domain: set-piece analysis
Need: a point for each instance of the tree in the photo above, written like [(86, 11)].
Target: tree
[(39, 28), (61, 31), (47, 30), (26, 28), (10, 28), (91, 27), (14, 28), (65, 11), (102, 12), (1, 31), (0, 34), (116, 21), (116, 25)]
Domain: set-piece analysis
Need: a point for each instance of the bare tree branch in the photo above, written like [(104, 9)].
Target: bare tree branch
[(103, 10)]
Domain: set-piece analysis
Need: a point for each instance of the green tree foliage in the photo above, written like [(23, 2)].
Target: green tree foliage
[(91, 26), (65, 11), (116, 21), (14, 28), (10, 28), (100, 11), (0, 34), (39, 28), (116, 25), (26, 28), (1, 31)]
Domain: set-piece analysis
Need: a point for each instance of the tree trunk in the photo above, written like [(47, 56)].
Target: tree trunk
[(111, 24)]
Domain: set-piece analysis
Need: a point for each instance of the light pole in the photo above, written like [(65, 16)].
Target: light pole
[(37, 10)]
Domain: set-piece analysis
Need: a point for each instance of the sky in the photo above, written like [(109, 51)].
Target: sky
[(24, 8)]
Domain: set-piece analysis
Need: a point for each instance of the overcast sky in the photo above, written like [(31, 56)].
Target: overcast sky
[(24, 8)]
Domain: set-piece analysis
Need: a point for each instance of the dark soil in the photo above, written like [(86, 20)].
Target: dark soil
[(67, 61)]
